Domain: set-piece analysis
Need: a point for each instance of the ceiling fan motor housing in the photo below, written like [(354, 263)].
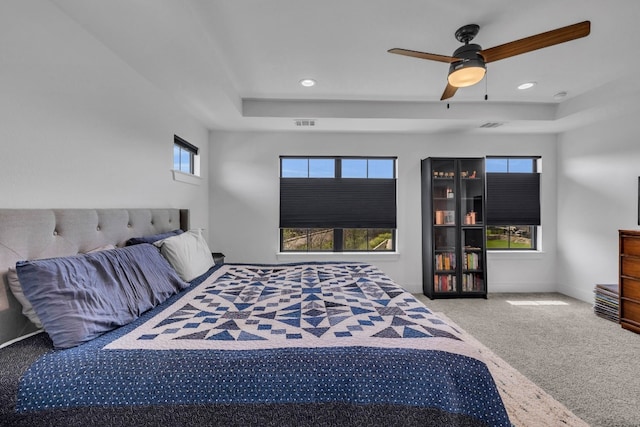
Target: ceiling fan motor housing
[(470, 58), (468, 51)]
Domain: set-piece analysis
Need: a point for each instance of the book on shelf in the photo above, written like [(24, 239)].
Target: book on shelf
[(444, 282), (445, 261), (471, 261), (472, 282)]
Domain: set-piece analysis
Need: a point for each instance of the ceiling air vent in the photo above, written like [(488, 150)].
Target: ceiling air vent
[(491, 125), (305, 122)]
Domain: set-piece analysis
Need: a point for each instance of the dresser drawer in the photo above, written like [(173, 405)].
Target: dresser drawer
[(630, 288), (630, 266), (630, 245), (630, 311)]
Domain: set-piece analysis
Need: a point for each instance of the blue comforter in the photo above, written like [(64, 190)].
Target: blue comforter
[(255, 336)]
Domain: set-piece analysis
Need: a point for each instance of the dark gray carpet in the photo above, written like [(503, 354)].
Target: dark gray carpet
[(589, 364)]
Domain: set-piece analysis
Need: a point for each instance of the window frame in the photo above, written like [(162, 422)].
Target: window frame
[(338, 233), (512, 229), (184, 146)]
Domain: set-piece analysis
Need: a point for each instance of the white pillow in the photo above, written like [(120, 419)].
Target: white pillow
[(16, 288), (188, 253)]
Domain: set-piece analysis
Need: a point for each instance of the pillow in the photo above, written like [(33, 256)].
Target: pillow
[(188, 254), (102, 248), (151, 239), (80, 297), (16, 289)]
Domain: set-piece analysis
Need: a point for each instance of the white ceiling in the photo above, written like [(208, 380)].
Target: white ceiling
[(236, 64)]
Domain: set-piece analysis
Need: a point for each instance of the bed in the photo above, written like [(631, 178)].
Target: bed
[(299, 344)]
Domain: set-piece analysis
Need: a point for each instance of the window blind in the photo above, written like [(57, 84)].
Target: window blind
[(337, 203), (513, 198)]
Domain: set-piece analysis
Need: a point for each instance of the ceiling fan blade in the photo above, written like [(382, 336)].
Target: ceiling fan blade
[(424, 55), (449, 91), (539, 41)]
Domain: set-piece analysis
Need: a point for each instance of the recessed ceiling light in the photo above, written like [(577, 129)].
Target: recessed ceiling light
[(558, 96), (307, 82), (527, 85)]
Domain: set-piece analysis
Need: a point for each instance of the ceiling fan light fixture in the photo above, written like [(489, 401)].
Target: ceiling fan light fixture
[(466, 73)]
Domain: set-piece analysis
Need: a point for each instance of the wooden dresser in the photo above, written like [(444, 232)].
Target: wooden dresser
[(629, 279)]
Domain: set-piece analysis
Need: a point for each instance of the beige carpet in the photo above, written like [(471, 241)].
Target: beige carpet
[(527, 404)]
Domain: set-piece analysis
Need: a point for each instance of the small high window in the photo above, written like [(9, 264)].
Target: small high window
[(184, 156)]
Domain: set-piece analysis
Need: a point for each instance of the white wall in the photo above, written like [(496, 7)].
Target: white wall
[(80, 128), (598, 170), (245, 197)]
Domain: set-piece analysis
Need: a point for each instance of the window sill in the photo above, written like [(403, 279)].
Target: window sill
[(506, 254), (336, 256), (186, 177)]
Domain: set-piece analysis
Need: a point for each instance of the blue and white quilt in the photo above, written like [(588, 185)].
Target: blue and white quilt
[(276, 334)]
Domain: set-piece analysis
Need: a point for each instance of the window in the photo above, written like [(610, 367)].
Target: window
[(184, 156), (513, 202), (337, 204)]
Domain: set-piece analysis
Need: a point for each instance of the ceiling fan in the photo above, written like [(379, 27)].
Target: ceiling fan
[(468, 62)]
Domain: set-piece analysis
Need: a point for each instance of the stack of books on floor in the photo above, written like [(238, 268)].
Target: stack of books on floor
[(606, 303)]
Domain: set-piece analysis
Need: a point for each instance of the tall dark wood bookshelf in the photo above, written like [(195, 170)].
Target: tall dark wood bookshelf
[(454, 260)]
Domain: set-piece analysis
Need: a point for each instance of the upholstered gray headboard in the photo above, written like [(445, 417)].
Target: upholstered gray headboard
[(46, 233)]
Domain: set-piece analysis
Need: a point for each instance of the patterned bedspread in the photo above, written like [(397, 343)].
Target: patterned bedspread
[(309, 334)]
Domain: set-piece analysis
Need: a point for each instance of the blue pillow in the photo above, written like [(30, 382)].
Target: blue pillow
[(152, 239), (80, 297)]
